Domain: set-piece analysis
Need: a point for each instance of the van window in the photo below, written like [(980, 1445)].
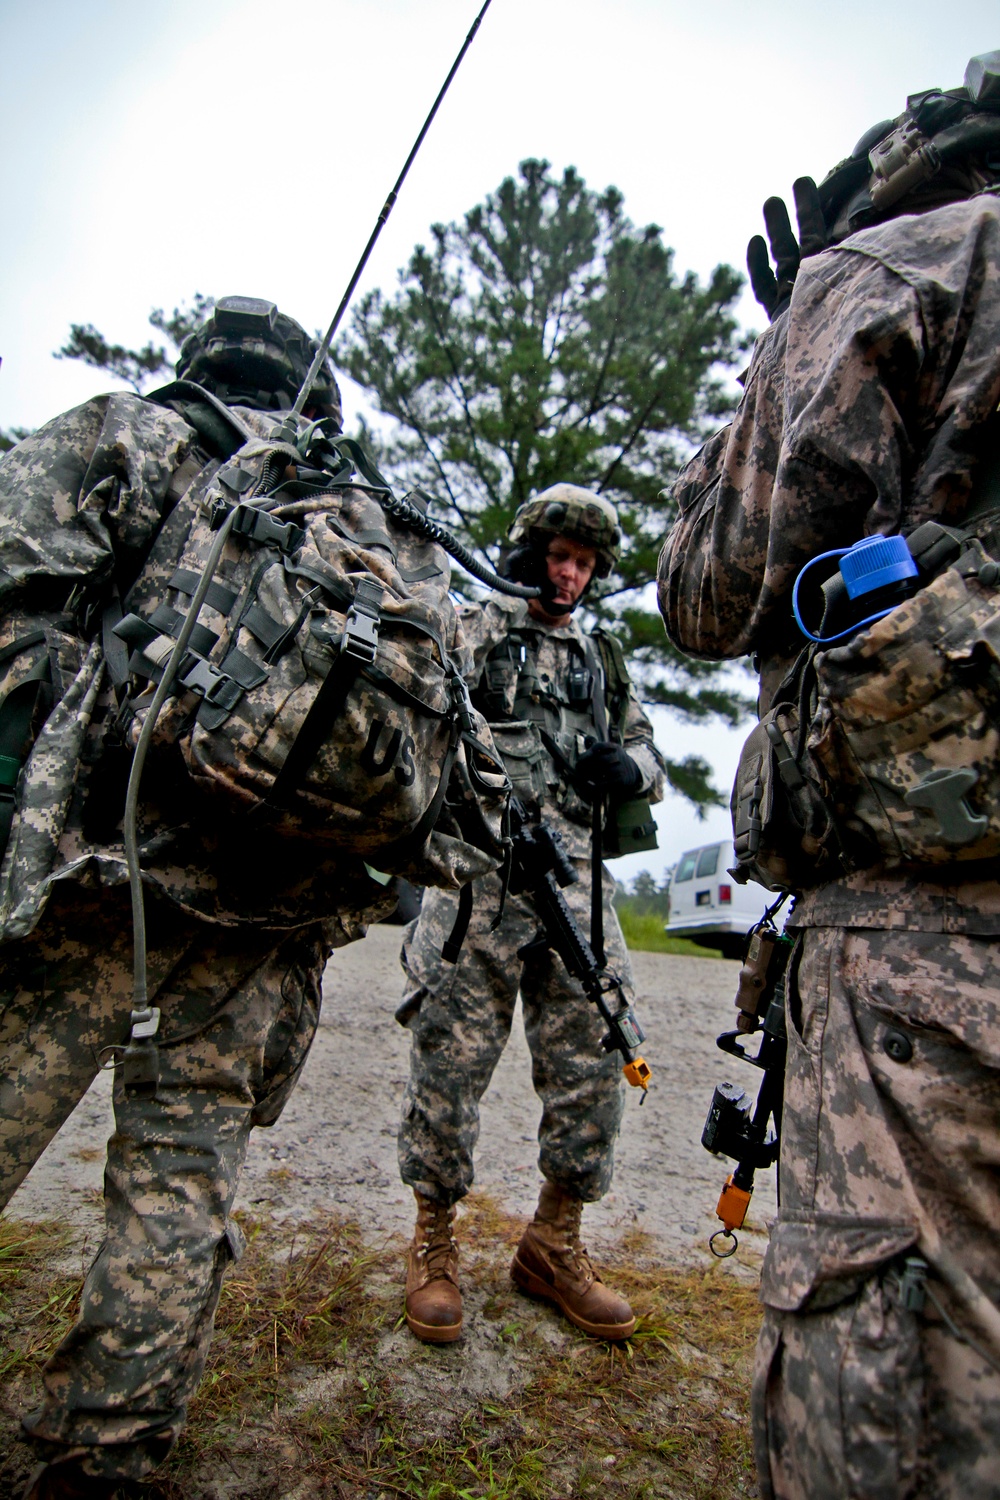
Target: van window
[(708, 861), (685, 869)]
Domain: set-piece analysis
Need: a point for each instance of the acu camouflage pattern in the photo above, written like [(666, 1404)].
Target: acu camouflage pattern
[(243, 1008), (460, 1015), (890, 1148), (869, 407), (396, 735), (537, 776), (848, 426), (909, 701), (80, 501)]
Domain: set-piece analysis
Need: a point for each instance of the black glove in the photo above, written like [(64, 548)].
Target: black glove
[(773, 289), (606, 768)]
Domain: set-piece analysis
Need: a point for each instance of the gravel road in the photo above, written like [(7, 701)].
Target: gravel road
[(334, 1146)]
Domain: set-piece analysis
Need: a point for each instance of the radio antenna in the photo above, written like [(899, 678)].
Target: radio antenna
[(390, 202)]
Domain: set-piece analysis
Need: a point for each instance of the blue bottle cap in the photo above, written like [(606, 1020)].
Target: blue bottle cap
[(875, 561)]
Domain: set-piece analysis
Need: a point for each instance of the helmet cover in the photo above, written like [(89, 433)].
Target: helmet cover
[(248, 353), (567, 510)]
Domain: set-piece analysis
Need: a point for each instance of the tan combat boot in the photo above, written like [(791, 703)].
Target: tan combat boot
[(550, 1262), (433, 1300)]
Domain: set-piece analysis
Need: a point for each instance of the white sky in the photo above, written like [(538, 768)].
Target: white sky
[(240, 146)]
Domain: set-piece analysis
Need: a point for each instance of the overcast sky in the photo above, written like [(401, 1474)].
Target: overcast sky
[(241, 146)]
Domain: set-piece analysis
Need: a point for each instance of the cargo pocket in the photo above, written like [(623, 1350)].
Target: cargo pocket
[(838, 1384)]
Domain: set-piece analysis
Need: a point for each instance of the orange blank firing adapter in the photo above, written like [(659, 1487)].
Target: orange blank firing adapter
[(733, 1205), (638, 1073)]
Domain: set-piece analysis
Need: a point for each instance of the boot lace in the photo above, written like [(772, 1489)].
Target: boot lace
[(438, 1247)]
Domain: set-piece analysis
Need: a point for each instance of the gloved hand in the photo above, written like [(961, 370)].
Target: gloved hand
[(773, 289), (606, 768)]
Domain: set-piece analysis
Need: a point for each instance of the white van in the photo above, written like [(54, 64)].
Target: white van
[(707, 905)]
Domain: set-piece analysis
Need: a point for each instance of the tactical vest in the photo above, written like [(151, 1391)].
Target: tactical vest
[(542, 732)]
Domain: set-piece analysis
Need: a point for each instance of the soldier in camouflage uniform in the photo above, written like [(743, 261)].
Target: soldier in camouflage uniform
[(537, 678), (869, 407), (238, 930)]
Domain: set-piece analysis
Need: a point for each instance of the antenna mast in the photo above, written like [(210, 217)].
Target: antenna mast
[(390, 202)]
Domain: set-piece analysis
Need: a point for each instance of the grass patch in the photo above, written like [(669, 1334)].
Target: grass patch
[(646, 934), (313, 1389)]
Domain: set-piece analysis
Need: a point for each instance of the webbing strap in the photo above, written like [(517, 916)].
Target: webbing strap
[(219, 598), (327, 704), (167, 621), (401, 694), (597, 881), (597, 673), (453, 943)]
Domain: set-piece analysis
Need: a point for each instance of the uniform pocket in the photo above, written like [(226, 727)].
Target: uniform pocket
[(838, 1387)]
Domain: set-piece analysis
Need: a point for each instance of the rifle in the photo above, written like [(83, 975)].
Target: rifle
[(737, 1126), (540, 866)]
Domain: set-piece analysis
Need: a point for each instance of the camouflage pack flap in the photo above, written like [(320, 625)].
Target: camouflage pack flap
[(320, 692), (527, 762), (908, 722)]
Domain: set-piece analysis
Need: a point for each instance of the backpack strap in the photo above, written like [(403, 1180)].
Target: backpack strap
[(598, 675), (211, 418), (619, 683)]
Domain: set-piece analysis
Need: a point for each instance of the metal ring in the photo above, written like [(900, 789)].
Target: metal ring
[(725, 1234)]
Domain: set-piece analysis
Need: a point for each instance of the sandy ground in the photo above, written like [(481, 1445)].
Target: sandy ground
[(335, 1145)]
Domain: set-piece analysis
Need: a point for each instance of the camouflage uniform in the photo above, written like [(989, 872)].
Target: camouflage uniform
[(239, 932), (459, 1015), (868, 408)]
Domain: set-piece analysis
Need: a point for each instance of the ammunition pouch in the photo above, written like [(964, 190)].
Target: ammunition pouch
[(525, 759), (630, 828), (886, 749)]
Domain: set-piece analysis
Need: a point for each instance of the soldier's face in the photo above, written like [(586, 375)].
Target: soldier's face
[(570, 566)]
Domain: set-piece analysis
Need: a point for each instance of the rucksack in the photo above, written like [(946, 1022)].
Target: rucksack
[(320, 691)]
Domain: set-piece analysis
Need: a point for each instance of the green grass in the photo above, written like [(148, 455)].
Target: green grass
[(300, 1395), (646, 934)]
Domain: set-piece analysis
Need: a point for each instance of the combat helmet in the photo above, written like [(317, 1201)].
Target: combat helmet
[(248, 353), (568, 510), (945, 146)]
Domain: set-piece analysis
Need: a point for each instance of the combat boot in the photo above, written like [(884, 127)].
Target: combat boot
[(433, 1300), (67, 1481), (550, 1262)]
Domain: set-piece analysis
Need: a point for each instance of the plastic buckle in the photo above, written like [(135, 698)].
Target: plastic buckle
[(141, 1062), (463, 703), (258, 526), (360, 638), (212, 684)]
